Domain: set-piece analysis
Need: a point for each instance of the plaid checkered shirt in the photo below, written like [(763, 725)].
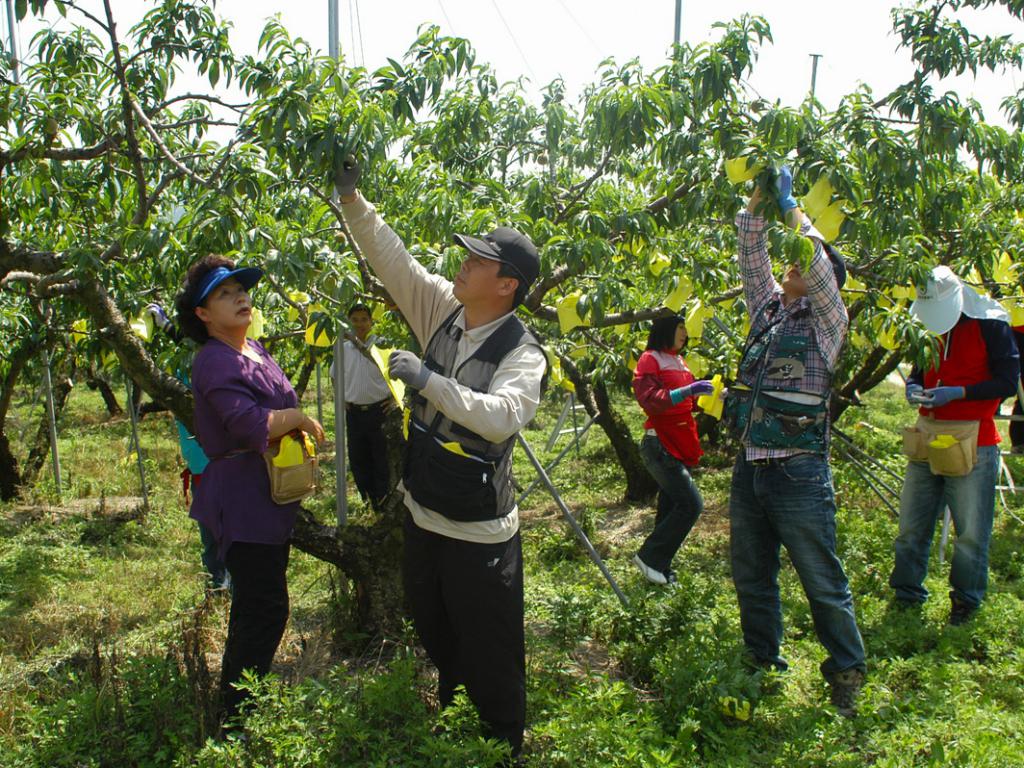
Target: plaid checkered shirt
[(826, 324)]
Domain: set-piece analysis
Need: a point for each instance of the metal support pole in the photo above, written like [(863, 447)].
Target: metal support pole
[(12, 37), (51, 414), (944, 536), (135, 441), (333, 28), (319, 392), (865, 475), (679, 20), (572, 520), (557, 460), (814, 72), (341, 487)]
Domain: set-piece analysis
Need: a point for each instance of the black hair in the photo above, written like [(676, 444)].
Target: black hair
[(359, 307), (184, 303), (663, 332), (507, 270)]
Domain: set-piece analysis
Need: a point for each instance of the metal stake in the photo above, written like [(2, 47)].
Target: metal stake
[(557, 460), (572, 520), (135, 441)]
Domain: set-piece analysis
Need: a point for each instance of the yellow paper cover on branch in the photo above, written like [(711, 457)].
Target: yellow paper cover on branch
[(397, 386), (142, 326), (696, 318), (830, 220), (1015, 306), (816, 201), (658, 263), (1005, 270), (567, 316), (255, 329), (78, 329), (737, 170), (678, 297), (322, 340)]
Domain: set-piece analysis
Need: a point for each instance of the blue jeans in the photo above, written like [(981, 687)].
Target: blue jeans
[(679, 504), (790, 502), (971, 500)]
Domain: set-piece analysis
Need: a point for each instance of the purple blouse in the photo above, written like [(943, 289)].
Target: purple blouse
[(233, 399)]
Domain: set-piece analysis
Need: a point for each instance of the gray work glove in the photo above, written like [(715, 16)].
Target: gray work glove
[(346, 178), (409, 368)]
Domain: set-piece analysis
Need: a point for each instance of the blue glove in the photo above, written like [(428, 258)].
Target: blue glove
[(941, 396), (702, 387), (915, 394), (784, 190), (407, 367)]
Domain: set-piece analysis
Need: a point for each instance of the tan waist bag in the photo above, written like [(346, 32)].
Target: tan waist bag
[(293, 468), (949, 447)]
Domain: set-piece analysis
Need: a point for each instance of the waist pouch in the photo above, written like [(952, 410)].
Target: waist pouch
[(775, 422), (459, 487), (297, 478), (949, 447)]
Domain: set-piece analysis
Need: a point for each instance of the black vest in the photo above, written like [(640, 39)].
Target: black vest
[(451, 469)]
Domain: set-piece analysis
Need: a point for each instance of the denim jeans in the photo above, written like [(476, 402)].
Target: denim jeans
[(679, 504), (971, 500), (790, 502)]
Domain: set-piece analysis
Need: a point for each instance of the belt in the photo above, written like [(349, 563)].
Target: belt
[(368, 407), (776, 461)]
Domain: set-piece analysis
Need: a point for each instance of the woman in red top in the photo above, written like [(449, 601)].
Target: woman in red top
[(666, 389)]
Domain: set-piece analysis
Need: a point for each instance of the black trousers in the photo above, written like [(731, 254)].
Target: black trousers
[(259, 612), (368, 450), (466, 601)]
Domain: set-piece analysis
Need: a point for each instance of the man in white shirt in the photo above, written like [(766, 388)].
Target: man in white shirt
[(367, 400), (478, 385)]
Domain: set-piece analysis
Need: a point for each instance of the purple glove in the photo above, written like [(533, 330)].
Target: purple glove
[(163, 322), (941, 396), (784, 190), (702, 387)]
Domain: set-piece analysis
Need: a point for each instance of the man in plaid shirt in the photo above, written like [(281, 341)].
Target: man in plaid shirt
[(781, 485)]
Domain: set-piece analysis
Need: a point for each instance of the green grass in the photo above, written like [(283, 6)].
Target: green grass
[(109, 648)]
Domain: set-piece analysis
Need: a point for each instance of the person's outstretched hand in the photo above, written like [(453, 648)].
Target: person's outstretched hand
[(406, 366), (784, 190), (346, 178)]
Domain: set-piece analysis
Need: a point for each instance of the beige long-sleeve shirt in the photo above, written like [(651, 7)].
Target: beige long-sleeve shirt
[(426, 300)]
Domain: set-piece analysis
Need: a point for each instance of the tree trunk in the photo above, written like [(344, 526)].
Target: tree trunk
[(874, 368), (369, 555), (305, 372), (640, 486), (10, 476), (96, 382)]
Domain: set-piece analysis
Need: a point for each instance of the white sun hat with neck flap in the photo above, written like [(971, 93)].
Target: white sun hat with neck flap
[(944, 297)]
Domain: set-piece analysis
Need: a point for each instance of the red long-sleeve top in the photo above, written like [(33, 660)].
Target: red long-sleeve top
[(656, 375)]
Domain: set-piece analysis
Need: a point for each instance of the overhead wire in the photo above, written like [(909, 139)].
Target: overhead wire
[(515, 42), (359, 27), (581, 28), (451, 27), (352, 32)]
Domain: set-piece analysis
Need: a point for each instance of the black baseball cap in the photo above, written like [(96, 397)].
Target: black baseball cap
[(508, 246)]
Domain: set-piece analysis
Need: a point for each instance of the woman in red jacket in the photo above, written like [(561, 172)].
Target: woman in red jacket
[(666, 389)]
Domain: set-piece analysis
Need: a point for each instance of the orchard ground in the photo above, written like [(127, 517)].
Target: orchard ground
[(110, 644)]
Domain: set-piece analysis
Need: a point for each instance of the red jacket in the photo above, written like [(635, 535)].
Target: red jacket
[(966, 363), (657, 374)]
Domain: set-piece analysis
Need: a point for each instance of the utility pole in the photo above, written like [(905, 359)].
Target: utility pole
[(679, 19), (13, 49), (340, 472), (814, 72)]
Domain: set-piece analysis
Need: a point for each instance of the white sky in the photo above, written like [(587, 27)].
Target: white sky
[(568, 38)]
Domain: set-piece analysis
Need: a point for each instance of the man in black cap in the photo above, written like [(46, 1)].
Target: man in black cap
[(478, 384)]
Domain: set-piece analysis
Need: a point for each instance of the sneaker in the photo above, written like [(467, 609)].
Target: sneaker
[(651, 574), (960, 611), (845, 686), (670, 578)]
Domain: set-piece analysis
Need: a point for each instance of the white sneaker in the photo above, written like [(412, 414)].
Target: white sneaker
[(652, 575)]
